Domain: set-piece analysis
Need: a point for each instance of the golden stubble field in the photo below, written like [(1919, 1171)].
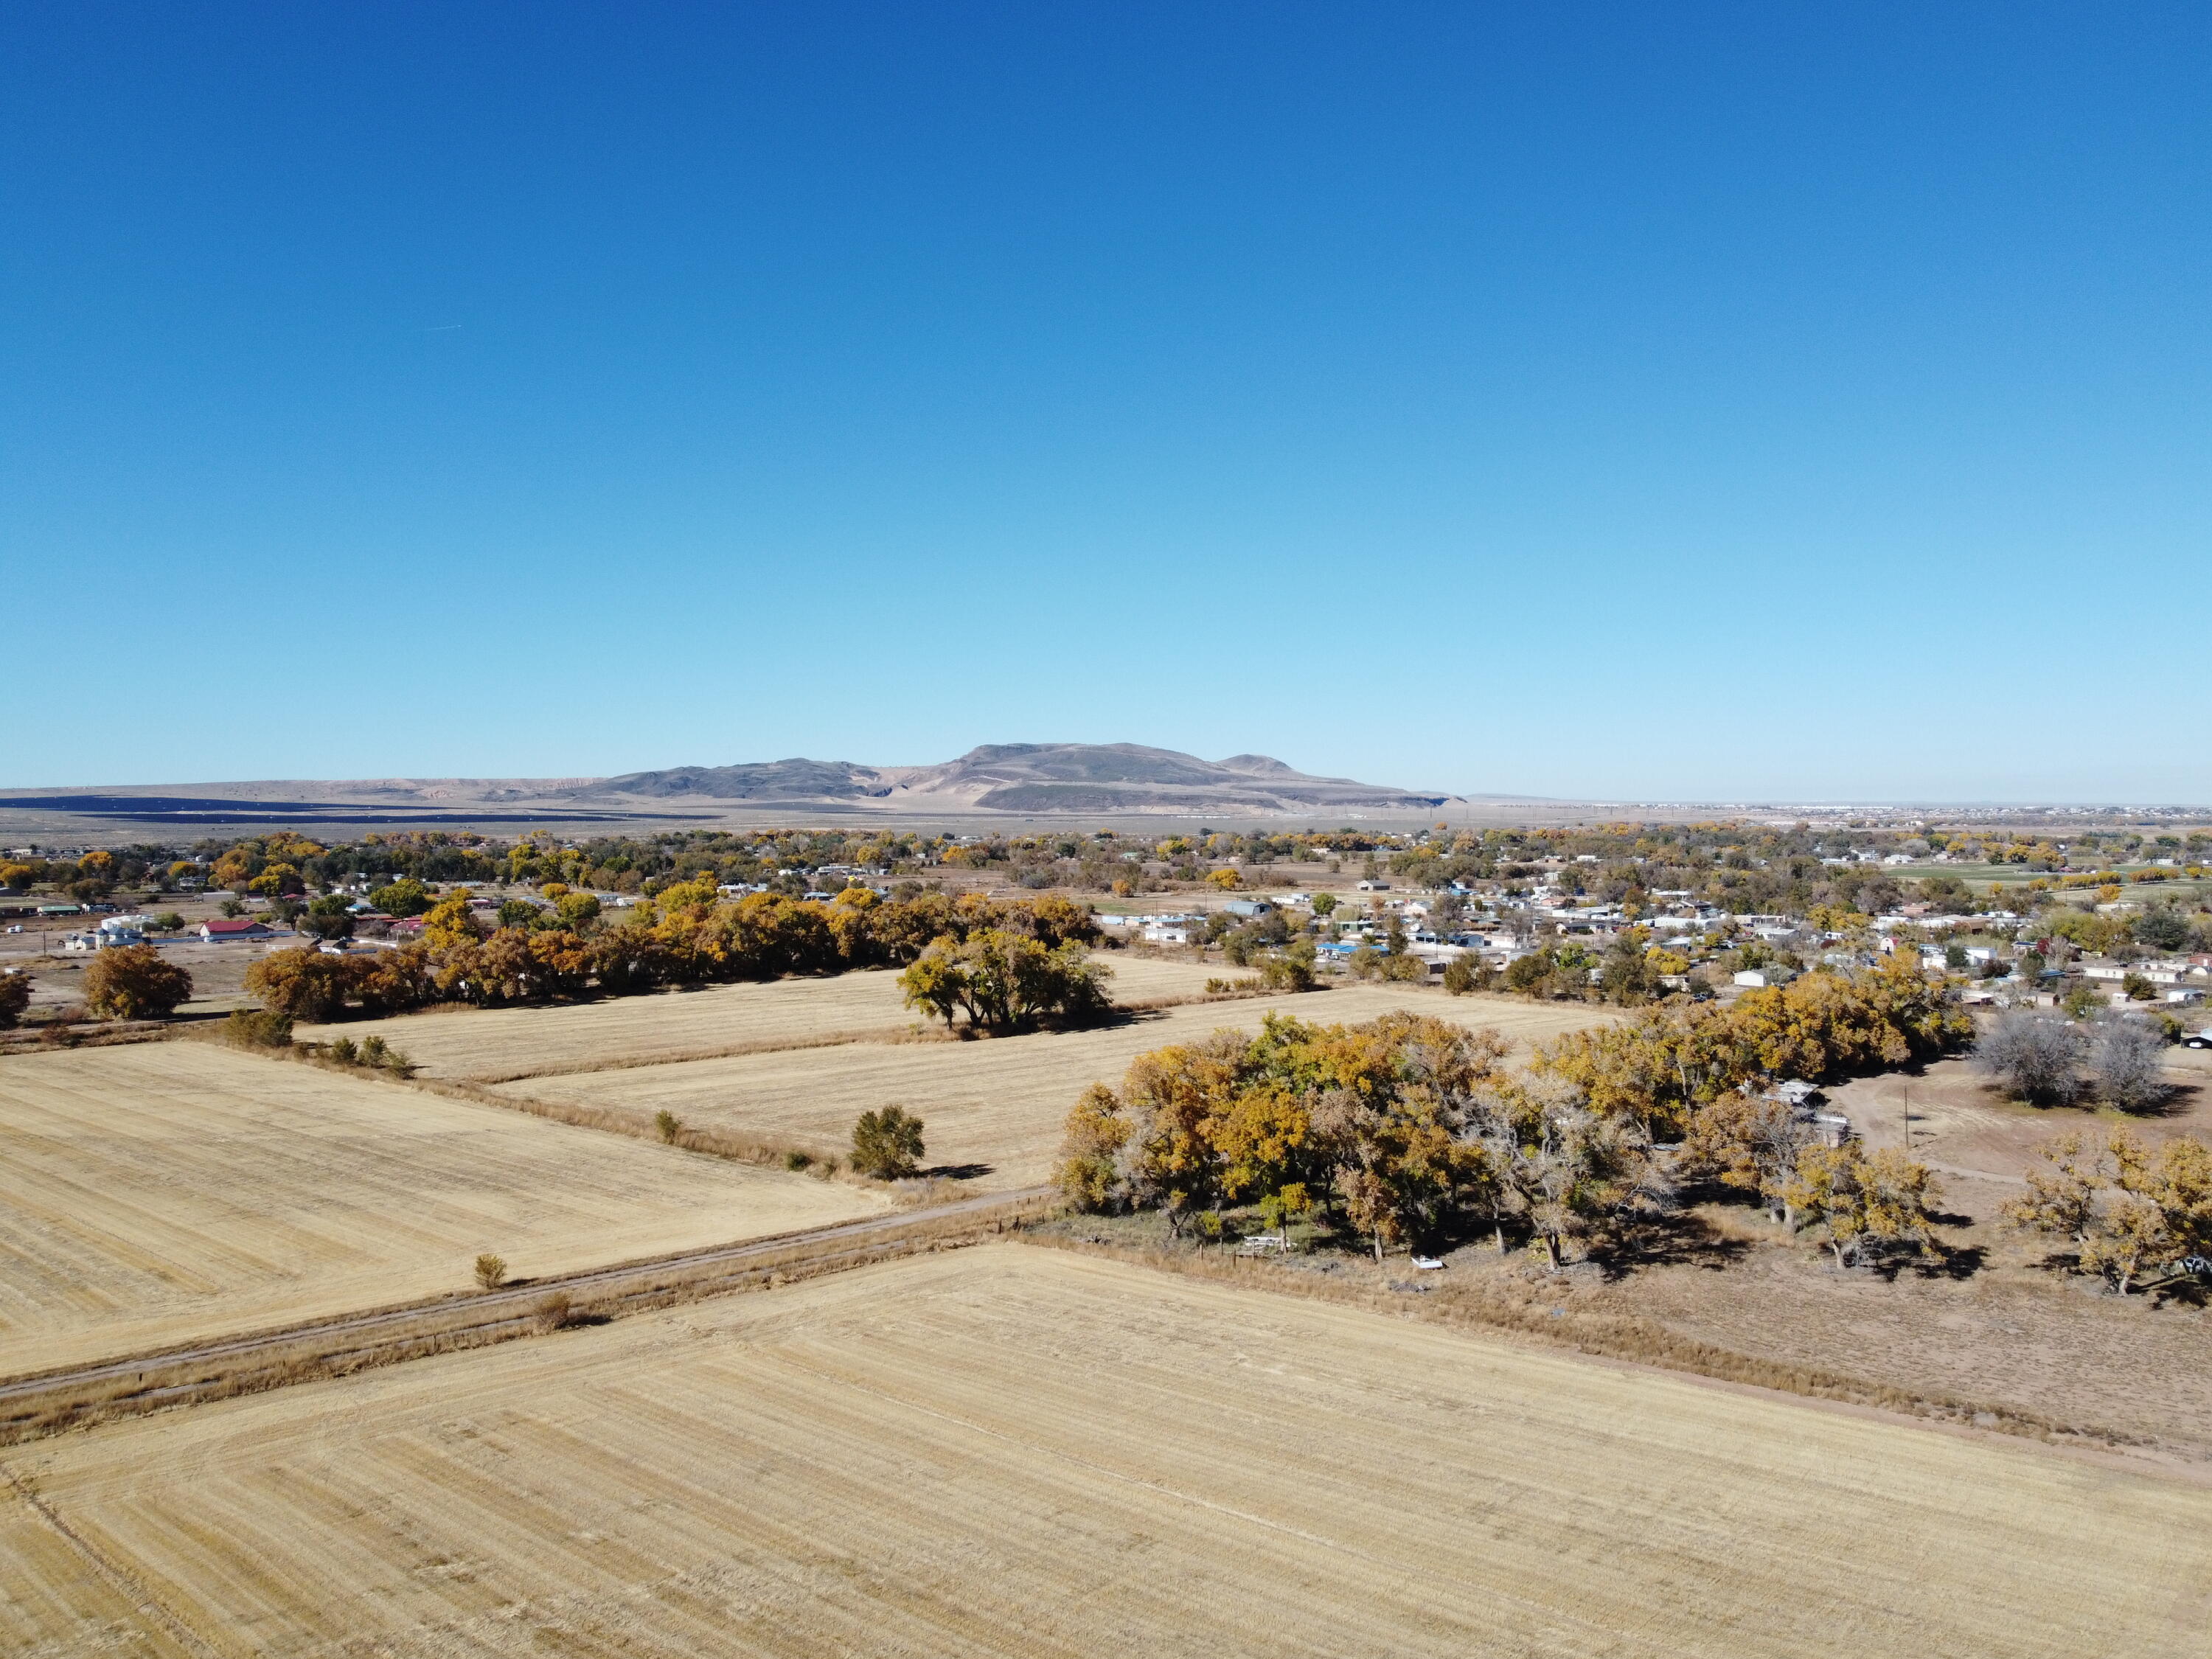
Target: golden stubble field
[(159, 1193), (504, 1042), (1007, 1450), (997, 1105)]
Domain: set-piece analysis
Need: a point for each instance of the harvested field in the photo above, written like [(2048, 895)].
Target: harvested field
[(499, 1043), (994, 1107), (1006, 1450), (160, 1193)]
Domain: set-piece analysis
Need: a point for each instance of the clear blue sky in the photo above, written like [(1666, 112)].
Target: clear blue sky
[(1676, 401)]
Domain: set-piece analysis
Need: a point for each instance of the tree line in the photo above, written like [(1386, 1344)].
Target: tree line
[(1407, 1130), (691, 934)]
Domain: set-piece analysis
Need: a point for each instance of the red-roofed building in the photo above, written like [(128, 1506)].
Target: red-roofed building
[(219, 928)]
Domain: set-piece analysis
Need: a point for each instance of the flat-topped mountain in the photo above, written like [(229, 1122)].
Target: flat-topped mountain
[(1023, 779), (1026, 778)]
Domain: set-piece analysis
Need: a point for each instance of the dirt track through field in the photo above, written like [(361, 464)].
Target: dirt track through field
[(997, 1105), (1009, 1452), (153, 1194)]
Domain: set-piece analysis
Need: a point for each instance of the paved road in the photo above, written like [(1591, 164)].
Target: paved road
[(519, 1303)]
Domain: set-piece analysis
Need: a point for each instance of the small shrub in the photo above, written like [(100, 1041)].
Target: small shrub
[(2083, 999), (344, 1053), (491, 1271), (796, 1160), (380, 1056), (887, 1144), (1466, 974), (255, 1028), (554, 1311), (668, 1124)]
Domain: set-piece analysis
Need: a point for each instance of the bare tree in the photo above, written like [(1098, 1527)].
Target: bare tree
[(2036, 1056), (2128, 1060)]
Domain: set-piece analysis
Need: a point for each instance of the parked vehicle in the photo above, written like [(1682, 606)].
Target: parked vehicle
[(2199, 1039)]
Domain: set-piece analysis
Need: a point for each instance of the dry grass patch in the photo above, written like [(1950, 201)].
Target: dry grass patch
[(999, 1103), (1015, 1451), (158, 1194)]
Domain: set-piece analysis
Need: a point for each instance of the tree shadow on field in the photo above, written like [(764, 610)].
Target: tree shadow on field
[(2180, 1100), (1958, 1263), (1676, 1239), (958, 1171), (2189, 1292), (1056, 1025), (1111, 1020)]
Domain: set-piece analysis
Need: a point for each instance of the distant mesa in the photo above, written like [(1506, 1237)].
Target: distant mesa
[(1027, 779)]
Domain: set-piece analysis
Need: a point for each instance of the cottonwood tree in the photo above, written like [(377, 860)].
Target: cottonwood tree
[(2035, 1056), (2128, 1061), (1868, 1202), (1005, 980), (1375, 1118), (1751, 1143), (2125, 1209), (1579, 1175), (14, 996), (134, 981)]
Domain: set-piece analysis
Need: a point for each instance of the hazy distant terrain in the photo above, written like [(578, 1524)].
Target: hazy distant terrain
[(1013, 780)]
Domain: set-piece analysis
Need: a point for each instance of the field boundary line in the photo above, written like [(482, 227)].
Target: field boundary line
[(635, 1062), (32, 1406)]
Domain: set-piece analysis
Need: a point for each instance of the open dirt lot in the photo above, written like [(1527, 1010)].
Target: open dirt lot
[(492, 1043), (162, 1192), (995, 1106), (1961, 1125), (1009, 1451)]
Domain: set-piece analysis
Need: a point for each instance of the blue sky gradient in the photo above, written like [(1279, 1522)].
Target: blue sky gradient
[(1685, 402)]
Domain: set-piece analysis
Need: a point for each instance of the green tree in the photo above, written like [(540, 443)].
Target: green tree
[(1466, 972), (404, 897), (887, 1143), (328, 917)]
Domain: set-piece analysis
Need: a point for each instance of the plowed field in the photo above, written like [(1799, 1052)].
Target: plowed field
[(160, 1192), (1010, 1451), (998, 1103)]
